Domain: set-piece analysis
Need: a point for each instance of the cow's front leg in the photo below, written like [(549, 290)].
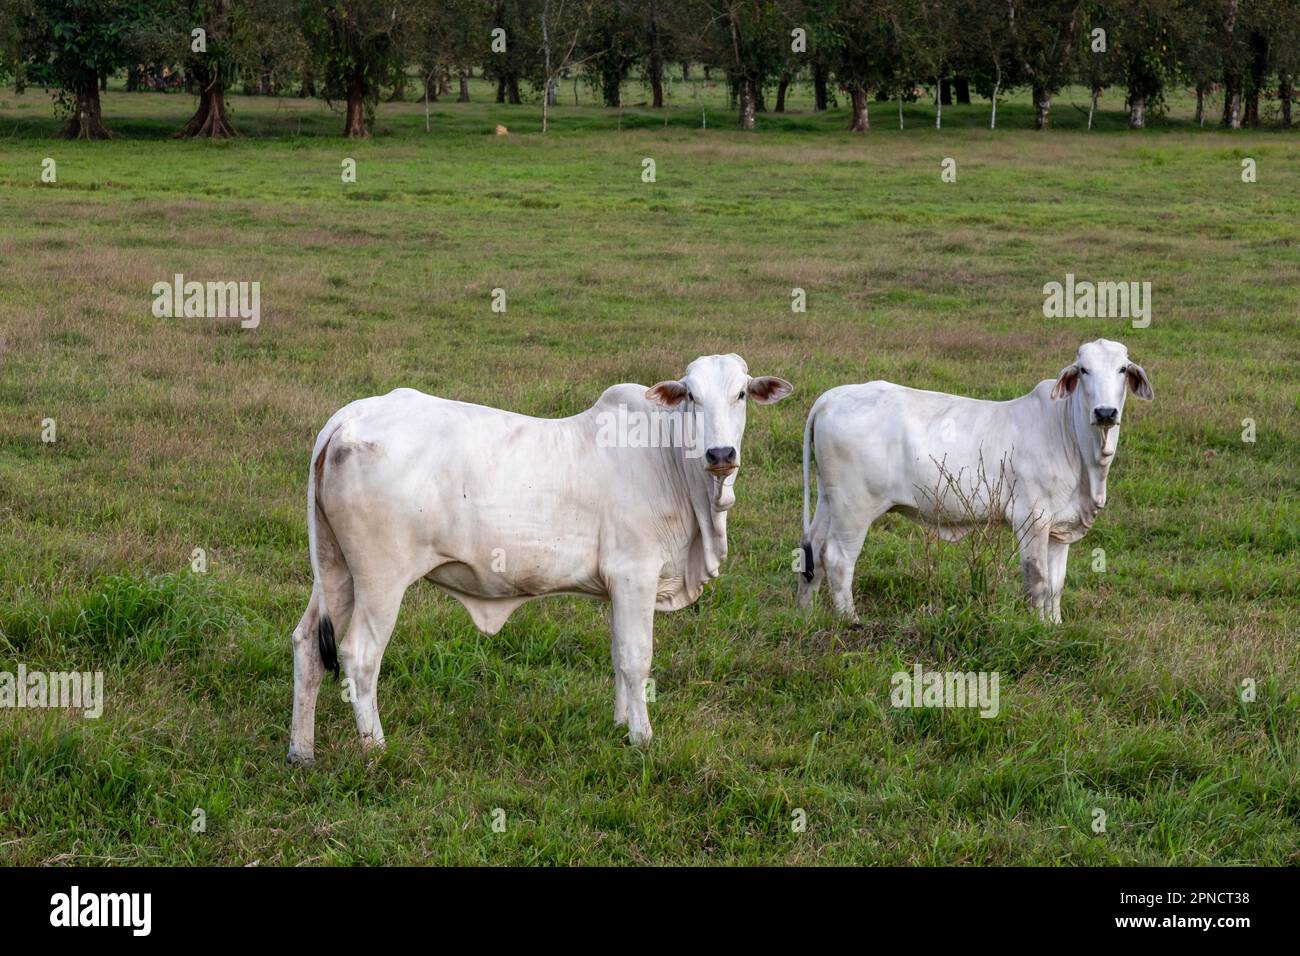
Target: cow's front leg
[(1035, 562), (632, 596), (1058, 553)]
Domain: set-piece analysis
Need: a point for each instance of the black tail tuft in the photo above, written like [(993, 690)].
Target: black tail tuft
[(807, 561), (329, 652)]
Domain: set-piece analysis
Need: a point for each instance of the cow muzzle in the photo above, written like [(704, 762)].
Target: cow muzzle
[(1104, 416), (721, 461)]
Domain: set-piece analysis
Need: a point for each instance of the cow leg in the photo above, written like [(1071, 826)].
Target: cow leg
[(632, 618), (620, 690), (816, 543), (307, 674), (1057, 554), (1035, 564), (841, 556), (362, 651), (308, 669)]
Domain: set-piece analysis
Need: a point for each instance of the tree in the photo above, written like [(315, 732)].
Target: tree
[(746, 36), (929, 31), (213, 59), (1042, 36), (514, 54), (68, 45), (358, 47), (612, 48), (563, 24), (987, 54), (857, 40)]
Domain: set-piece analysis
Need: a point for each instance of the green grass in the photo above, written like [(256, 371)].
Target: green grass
[(184, 433)]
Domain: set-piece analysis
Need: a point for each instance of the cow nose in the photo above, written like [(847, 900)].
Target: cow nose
[(720, 456), (1105, 415)]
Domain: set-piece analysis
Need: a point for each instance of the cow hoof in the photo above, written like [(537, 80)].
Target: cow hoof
[(300, 760), (639, 738)]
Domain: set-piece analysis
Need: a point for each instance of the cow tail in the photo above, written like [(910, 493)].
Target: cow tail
[(807, 519), (325, 642)]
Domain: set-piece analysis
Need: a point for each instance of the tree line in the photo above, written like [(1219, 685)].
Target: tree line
[(355, 53)]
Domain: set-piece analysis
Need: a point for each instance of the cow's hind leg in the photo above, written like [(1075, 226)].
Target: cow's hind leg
[(362, 651), (841, 556), (620, 690), (308, 668), (308, 671), (816, 544)]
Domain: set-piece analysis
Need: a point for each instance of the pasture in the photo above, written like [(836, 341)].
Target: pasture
[(177, 434)]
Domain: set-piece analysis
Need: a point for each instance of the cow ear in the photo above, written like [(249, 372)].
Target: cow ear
[(768, 389), (668, 394), (1139, 383), (1067, 383)]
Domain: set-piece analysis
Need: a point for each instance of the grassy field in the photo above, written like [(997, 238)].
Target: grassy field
[(176, 434)]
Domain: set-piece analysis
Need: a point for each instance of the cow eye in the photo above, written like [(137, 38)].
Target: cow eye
[(1082, 370), (741, 396), (690, 397)]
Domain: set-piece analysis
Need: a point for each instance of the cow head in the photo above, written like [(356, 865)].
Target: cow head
[(715, 391), (1096, 383)]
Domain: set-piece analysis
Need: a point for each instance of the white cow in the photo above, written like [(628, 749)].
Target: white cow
[(497, 508), (882, 447)]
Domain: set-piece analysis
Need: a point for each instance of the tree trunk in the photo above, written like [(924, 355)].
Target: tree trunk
[(1137, 112), (819, 87), (997, 88), (1232, 101), (611, 89), (861, 121), (1092, 104), (399, 91), (945, 93), (1200, 104), (760, 101), (86, 121), (686, 71), (962, 86), (209, 120), (103, 82), (354, 126), (512, 90), (501, 89), (1042, 106), (1252, 107), (444, 82), (656, 81), (1259, 68), (430, 89), (781, 89), (464, 88), (1285, 90), (748, 103), (938, 103)]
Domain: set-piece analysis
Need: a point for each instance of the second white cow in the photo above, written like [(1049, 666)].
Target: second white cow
[(496, 509), (1037, 463)]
